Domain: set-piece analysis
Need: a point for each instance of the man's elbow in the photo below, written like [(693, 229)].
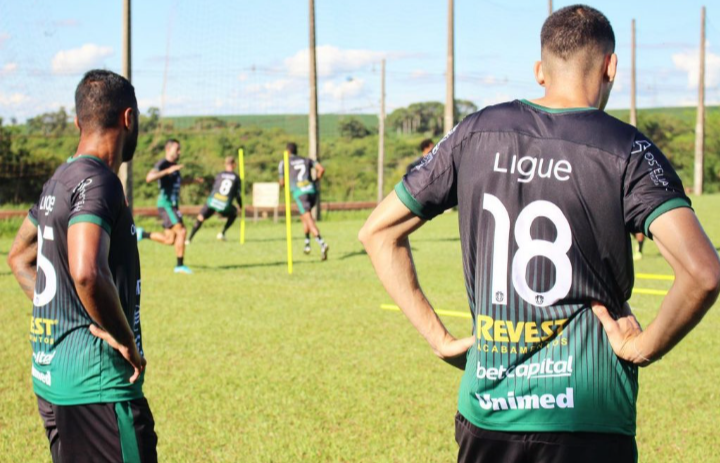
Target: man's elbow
[(85, 278)]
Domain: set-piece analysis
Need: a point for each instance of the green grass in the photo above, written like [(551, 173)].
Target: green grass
[(247, 363)]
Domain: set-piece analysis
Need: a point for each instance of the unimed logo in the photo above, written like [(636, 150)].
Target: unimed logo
[(526, 402)]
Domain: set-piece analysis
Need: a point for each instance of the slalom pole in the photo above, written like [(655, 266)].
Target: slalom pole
[(241, 168), (288, 228)]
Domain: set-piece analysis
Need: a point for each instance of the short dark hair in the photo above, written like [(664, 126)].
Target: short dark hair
[(100, 97), (171, 141), (425, 144), (574, 28), (291, 147)]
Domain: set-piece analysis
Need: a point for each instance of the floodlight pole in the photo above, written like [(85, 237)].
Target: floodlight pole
[(314, 138), (550, 7), (381, 137), (125, 173), (450, 74), (633, 81), (700, 124)]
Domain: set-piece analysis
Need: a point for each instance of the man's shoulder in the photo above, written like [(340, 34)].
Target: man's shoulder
[(86, 169), (163, 164)]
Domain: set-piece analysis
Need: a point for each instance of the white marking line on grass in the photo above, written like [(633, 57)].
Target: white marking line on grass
[(449, 313)]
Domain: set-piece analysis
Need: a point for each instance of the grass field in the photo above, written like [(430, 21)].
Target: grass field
[(249, 364)]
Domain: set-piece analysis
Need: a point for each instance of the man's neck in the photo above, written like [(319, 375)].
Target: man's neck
[(105, 147)]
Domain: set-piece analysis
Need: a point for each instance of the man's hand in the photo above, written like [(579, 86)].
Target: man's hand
[(130, 353), (454, 351), (624, 335)]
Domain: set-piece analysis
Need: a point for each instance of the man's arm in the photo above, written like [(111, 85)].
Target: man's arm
[(155, 174), (385, 237), (683, 243), (88, 249), (22, 257), (319, 170)]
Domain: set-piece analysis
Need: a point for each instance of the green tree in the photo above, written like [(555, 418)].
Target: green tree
[(352, 127)]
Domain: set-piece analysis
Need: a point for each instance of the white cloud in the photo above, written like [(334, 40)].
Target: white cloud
[(332, 61), (498, 97), (343, 90), (8, 68), (4, 37), (78, 60), (419, 74), (243, 76), (272, 87), (689, 62), (13, 100)]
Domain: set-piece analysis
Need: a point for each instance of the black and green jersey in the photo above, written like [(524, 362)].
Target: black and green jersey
[(301, 182), (546, 200), (169, 185), (225, 188), (70, 366)]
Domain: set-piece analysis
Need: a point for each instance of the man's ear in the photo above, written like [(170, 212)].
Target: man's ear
[(77, 123), (611, 64), (539, 74), (128, 119)]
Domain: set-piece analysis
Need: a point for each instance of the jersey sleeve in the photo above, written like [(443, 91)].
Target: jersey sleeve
[(280, 169), (33, 214), (431, 187), (159, 165), (651, 187), (97, 199)]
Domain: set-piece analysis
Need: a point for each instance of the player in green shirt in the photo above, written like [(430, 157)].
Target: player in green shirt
[(548, 192), (76, 258)]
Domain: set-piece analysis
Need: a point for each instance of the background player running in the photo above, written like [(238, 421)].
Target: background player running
[(548, 192), (226, 188), (76, 258), (167, 173), (302, 188)]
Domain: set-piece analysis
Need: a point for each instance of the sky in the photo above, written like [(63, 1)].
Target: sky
[(251, 57)]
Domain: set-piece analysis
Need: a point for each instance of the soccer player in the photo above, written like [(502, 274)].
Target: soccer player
[(548, 192), (304, 193), (426, 147), (637, 252), (75, 256), (226, 188), (167, 173)]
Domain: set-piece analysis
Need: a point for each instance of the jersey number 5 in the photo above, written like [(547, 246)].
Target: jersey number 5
[(44, 264), (528, 248)]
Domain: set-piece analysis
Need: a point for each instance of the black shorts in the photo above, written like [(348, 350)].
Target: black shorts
[(306, 202), (106, 432), (170, 216), (479, 445), (208, 212)]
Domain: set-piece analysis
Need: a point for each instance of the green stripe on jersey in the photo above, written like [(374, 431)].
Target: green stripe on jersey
[(407, 199), (126, 427), (661, 209), (33, 220), (92, 219)]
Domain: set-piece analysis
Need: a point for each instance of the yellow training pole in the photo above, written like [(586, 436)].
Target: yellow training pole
[(288, 228), (241, 167)]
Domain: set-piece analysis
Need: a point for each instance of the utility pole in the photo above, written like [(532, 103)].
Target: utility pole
[(550, 7), (450, 74), (700, 124), (633, 82), (314, 142), (381, 137), (125, 173)]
